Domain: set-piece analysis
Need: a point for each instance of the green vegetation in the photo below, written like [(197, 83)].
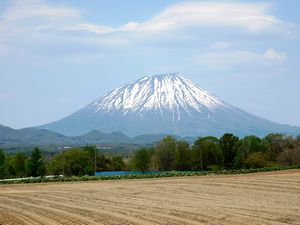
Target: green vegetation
[(72, 162), (165, 154), (36, 165), (142, 159), (183, 157), (142, 176), (206, 152), (205, 155), (3, 164)]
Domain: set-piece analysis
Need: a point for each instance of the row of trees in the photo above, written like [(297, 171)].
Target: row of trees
[(82, 161), (19, 165), (77, 161), (206, 153), (227, 152)]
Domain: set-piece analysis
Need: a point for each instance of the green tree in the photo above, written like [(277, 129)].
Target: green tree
[(256, 160), (20, 164), (56, 164), (206, 151), (103, 162), (182, 156), (10, 166), (73, 162), (117, 163), (142, 159), (36, 165), (246, 146), (165, 153), (275, 145), (3, 165), (77, 162), (93, 153), (228, 144)]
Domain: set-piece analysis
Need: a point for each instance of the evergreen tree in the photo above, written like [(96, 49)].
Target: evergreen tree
[(3, 165), (36, 165), (228, 144), (20, 164)]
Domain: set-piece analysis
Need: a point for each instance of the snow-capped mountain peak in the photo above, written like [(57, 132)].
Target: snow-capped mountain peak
[(161, 92), (164, 104)]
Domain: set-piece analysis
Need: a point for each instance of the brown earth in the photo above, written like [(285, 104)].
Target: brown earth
[(261, 198)]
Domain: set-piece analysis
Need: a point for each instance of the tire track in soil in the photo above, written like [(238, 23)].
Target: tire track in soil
[(146, 216)]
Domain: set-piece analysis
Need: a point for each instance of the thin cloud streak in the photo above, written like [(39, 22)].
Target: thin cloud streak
[(37, 15), (35, 24), (228, 59)]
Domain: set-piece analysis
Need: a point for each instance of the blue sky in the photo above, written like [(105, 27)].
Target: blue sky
[(57, 56)]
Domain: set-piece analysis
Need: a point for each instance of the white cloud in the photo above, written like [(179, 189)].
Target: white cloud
[(130, 26), (39, 15), (90, 28), (26, 21), (32, 9), (27, 25), (272, 55), (252, 17), (228, 59), (219, 45)]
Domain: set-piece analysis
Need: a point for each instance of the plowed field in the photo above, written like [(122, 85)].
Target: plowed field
[(260, 198)]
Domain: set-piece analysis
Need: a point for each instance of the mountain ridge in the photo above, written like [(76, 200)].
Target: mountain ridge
[(10, 138)]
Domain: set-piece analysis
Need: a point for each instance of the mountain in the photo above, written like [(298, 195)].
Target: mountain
[(28, 137), (168, 104), (31, 136), (96, 137), (34, 136)]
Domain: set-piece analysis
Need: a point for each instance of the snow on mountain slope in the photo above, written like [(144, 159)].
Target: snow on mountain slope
[(168, 104), (160, 92)]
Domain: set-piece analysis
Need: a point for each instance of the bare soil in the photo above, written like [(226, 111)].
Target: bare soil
[(260, 198)]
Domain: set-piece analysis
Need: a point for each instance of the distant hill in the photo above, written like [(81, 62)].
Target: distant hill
[(148, 139), (32, 136), (40, 137), (95, 137), (35, 136)]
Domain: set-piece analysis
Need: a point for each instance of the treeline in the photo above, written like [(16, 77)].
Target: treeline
[(206, 153), (73, 162), (227, 152), (19, 165)]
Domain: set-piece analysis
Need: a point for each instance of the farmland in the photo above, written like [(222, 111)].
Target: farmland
[(260, 198)]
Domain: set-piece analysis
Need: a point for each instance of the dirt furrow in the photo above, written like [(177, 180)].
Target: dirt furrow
[(262, 198)]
